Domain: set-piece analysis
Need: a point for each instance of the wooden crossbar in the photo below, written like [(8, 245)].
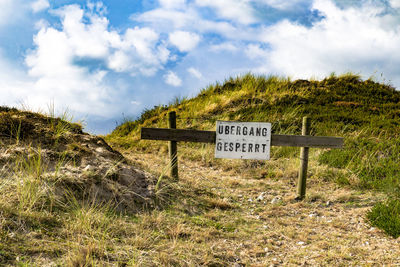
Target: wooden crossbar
[(305, 141), (180, 135)]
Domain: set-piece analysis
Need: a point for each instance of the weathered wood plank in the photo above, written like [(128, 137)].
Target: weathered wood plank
[(173, 147), (209, 137), (178, 135), (302, 180), (306, 141)]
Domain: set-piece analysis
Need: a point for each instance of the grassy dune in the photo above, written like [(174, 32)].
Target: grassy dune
[(364, 112), (220, 212)]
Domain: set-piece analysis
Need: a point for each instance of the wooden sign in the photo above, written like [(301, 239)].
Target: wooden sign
[(183, 135), (256, 138), (243, 140)]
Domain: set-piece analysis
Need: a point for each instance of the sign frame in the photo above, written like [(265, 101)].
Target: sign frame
[(243, 140)]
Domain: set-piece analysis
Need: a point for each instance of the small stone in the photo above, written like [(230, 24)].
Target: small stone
[(300, 243), (250, 200), (261, 197), (312, 215), (88, 168), (328, 203), (100, 150), (275, 200)]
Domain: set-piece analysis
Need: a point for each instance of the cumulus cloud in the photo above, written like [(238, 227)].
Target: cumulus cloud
[(165, 18), (172, 79), (84, 37), (59, 80), (236, 10), (184, 41), (395, 3), (283, 5), (226, 46), (136, 103), (351, 39), (40, 5), (195, 73), (138, 51), (6, 11), (191, 20), (91, 40), (13, 83), (16, 12), (171, 4)]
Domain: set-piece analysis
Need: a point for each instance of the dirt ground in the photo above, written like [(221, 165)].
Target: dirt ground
[(328, 228)]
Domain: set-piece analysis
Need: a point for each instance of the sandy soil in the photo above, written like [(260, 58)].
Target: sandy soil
[(328, 228)]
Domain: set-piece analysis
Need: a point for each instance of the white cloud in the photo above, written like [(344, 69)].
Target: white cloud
[(254, 51), (395, 3), (170, 4), (58, 79), (40, 5), (98, 8), (354, 39), (283, 5), (236, 10), (13, 83), (166, 19), (138, 51), (136, 103), (7, 8), (86, 36), (87, 40), (184, 41), (189, 19), (195, 73), (226, 46), (172, 79)]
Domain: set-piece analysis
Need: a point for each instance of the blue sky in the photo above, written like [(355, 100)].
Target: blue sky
[(105, 60)]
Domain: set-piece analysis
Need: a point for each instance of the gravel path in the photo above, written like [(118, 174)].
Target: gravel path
[(329, 228)]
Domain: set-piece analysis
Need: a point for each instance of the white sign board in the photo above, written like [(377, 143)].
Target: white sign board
[(243, 140)]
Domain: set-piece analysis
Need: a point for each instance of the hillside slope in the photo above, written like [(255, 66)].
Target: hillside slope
[(243, 212), (365, 113), (57, 183), (70, 199)]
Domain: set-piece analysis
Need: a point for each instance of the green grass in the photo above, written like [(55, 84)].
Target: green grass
[(387, 217), (375, 161)]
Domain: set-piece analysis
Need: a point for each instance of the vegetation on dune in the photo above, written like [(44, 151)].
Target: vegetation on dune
[(387, 217), (366, 113), (220, 212), (60, 191)]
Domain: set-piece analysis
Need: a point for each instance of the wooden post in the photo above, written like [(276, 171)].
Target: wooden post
[(172, 147), (301, 184)]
